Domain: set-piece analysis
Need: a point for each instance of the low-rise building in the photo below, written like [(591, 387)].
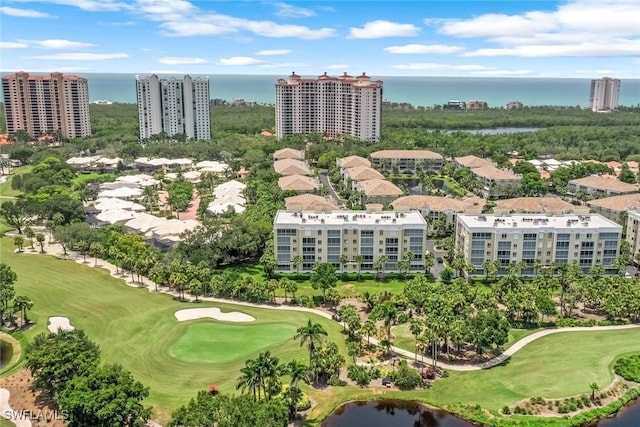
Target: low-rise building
[(496, 182), (439, 211), (542, 240), (352, 162), (454, 104), (542, 205), (600, 186), (298, 183), (407, 161), (378, 191), (514, 105), (633, 232), (472, 162), (360, 173), (312, 237), (476, 104), (291, 167), (614, 207)]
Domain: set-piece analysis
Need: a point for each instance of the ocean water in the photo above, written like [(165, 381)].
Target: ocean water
[(418, 91)]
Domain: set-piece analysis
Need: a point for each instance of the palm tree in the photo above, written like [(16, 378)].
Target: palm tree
[(249, 379), (378, 265), (369, 329), (358, 259), (40, 239), (150, 197), (22, 303), (18, 241), (594, 387), (297, 263), (297, 372), (344, 260), (30, 235), (311, 333), (269, 372), (416, 327), (386, 312)]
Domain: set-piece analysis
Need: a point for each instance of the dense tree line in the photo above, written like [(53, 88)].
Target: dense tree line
[(67, 365), (10, 303)]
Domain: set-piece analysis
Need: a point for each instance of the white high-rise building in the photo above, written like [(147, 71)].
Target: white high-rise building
[(174, 106), (54, 104), (604, 94), (333, 106)]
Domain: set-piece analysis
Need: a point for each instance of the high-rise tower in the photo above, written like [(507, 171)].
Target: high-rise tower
[(604, 94)]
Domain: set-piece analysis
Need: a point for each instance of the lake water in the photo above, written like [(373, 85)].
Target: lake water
[(391, 413), (627, 417)]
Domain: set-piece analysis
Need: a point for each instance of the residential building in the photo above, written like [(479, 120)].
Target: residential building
[(288, 153), (615, 207), (325, 237), (55, 104), (514, 105), (291, 167), (454, 105), (440, 212), (542, 240), (359, 173), (310, 202), (377, 191), (333, 106), (476, 104), (298, 183), (542, 205), (496, 182), (472, 162), (600, 186), (173, 106), (604, 94), (633, 232), (406, 161)]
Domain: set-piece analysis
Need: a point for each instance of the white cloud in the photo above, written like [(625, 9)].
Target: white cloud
[(13, 45), (89, 5), (424, 49), (187, 29), (336, 66), (58, 44), (431, 66), (269, 52), (24, 13), (380, 29), (577, 28), (240, 60), (177, 60), (285, 65), (289, 11), (584, 49), (85, 56)]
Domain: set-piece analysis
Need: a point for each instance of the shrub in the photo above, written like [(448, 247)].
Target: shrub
[(628, 367), (406, 377), (334, 380), (506, 410)]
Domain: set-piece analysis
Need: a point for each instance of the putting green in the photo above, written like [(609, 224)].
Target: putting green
[(211, 342)]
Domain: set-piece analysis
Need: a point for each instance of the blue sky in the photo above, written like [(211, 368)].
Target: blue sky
[(508, 38)]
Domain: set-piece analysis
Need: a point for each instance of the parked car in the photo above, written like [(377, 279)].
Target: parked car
[(439, 260)]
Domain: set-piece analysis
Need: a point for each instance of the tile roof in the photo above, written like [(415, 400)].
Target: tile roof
[(288, 153), (405, 154), (362, 173), (551, 205), (379, 187), (473, 161), (310, 202), (496, 174), (297, 183), (603, 183), (439, 203), (618, 203), (353, 161), (291, 167)]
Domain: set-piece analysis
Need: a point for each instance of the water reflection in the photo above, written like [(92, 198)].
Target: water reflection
[(391, 413), (627, 417)]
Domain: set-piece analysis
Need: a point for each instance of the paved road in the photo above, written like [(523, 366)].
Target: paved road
[(324, 180)]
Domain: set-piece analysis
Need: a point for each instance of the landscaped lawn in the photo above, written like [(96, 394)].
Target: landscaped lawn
[(5, 187), (138, 329)]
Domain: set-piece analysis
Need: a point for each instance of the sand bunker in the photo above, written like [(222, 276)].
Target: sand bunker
[(212, 313), (56, 323), (5, 410)]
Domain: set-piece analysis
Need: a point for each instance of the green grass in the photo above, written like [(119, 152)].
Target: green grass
[(213, 342), (5, 187), (137, 329), (84, 178), (6, 423)]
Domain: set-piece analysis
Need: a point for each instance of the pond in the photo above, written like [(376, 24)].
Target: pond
[(627, 417), (6, 353), (391, 413)]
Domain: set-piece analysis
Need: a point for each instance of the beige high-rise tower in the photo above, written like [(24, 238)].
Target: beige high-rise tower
[(604, 94), (54, 104), (333, 106)]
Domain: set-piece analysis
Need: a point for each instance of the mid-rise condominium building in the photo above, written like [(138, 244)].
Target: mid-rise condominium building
[(315, 237), (604, 94), (538, 239), (54, 104), (173, 106), (333, 106), (633, 232)]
